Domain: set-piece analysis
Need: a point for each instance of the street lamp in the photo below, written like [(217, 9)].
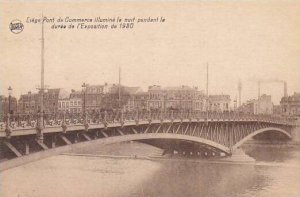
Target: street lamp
[(9, 99), (8, 128), (84, 85)]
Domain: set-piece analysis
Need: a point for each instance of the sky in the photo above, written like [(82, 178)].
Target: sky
[(239, 40)]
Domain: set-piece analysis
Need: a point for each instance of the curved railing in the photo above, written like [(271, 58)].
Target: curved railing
[(31, 120)]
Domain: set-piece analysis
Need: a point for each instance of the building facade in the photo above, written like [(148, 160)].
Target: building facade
[(76, 101), (4, 106), (137, 101), (290, 105), (75, 105), (64, 105), (219, 103), (30, 103), (277, 110), (156, 98), (263, 105), (176, 98), (93, 98), (249, 107)]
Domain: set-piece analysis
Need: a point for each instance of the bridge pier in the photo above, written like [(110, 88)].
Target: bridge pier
[(238, 155)]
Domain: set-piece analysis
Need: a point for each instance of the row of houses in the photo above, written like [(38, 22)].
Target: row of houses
[(7, 103), (94, 98), (263, 105), (289, 105)]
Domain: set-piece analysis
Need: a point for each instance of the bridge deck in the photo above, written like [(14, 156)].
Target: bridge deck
[(20, 131)]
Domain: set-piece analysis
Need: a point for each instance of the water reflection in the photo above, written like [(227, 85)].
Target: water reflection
[(281, 153), (194, 179), (96, 176), (76, 176)]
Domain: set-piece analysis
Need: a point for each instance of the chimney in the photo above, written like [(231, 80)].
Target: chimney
[(285, 89)]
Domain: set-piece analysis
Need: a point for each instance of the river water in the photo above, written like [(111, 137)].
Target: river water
[(276, 173)]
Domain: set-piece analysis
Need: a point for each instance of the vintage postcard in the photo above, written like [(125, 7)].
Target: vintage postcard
[(149, 98)]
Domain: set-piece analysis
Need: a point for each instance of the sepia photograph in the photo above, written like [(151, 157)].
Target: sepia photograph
[(149, 98)]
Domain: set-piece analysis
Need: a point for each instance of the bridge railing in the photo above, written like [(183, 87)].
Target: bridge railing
[(30, 120)]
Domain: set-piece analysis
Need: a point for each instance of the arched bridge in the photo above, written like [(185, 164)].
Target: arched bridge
[(218, 132)]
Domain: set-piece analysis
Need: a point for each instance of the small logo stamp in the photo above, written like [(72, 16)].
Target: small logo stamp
[(16, 26)]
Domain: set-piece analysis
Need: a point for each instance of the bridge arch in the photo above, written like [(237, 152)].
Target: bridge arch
[(147, 136), (242, 141)]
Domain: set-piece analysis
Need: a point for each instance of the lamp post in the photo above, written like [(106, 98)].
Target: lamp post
[(8, 128), (29, 101), (86, 124), (9, 99), (40, 121), (84, 85)]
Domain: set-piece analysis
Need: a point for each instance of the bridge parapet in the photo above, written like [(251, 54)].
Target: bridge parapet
[(20, 122)]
